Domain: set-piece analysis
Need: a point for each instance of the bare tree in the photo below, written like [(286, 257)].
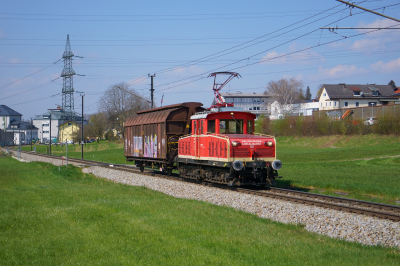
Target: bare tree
[(98, 124), (120, 102), (287, 93)]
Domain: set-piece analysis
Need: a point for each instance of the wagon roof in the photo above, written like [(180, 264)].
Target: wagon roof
[(188, 104), (149, 118), (157, 115)]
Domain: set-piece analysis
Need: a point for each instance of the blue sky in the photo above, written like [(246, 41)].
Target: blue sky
[(126, 40)]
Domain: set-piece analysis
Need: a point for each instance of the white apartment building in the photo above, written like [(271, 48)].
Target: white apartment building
[(256, 103)]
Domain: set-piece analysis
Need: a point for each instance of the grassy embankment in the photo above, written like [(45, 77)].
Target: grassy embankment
[(328, 164), (49, 217), (105, 151), (349, 164)]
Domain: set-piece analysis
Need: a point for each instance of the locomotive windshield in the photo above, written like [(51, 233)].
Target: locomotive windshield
[(231, 126)]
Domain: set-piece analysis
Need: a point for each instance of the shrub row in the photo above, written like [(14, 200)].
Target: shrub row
[(389, 123)]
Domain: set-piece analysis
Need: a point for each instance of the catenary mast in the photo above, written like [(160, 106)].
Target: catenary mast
[(68, 82)]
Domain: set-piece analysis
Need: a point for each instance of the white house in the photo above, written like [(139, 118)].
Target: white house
[(10, 121), (8, 115), (338, 96), (24, 132), (300, 108)]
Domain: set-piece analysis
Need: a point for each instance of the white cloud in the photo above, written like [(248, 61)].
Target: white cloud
[(367, 44), (378, 23), (300, 58), (15, 61), (386, 67)]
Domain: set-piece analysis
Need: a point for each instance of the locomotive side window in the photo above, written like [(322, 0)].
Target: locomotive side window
[(250, 126), (195, 128), (201, 127), (231, 126), (211, 126)]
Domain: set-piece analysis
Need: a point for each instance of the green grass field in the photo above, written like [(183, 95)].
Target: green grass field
[(111, 152), (335, 164), (328, 165), (49, 217)]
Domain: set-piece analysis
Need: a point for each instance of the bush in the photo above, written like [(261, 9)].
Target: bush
[(322, 125)]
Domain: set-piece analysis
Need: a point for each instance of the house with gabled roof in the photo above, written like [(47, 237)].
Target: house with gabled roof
[(8, 115), (11, 121), (338, 96)]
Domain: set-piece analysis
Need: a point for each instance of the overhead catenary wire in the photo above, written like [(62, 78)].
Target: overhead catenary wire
[(205, 73)]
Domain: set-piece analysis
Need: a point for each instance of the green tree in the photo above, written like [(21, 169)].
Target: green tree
[(308, 93), (392, 83)]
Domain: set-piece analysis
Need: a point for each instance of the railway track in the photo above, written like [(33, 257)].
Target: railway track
[(384, 211)]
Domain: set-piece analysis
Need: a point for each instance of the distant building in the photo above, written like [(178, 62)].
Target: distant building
[(256, 103), (58, 117), (299, 108), (338, 96), (24, 132), (8, 115), (11, 121), (67, 129)]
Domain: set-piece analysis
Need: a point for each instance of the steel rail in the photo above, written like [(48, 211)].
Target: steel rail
[(384, 211)]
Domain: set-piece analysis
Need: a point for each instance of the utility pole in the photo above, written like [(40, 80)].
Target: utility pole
[(82, 141), (152, 90), (31, 131)]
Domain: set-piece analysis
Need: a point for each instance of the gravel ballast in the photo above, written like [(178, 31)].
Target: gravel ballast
[(337, 224)]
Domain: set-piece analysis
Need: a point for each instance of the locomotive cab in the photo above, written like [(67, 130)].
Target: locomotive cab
[(223, 147)]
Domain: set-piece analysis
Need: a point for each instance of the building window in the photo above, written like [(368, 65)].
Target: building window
[(326, 103), (335, 103), (375, 93), (69, 123), (45, 131), (321, 104), (237, 100), (330, 103), (357, 104), (45, 125), (356, 93), (229, 100), (346, 104), (324, 94), (246, 100)]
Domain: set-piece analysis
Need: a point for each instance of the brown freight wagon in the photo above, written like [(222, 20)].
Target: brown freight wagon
[(151, 136)]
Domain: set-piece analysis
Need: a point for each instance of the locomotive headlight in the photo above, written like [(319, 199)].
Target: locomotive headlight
[(235, 143), (237, 165), (277, 164), (269, 143)]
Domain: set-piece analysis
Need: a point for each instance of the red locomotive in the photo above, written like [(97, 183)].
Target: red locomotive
[(213, 146)]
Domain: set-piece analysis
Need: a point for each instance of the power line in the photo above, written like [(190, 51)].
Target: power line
[(11, 83)]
